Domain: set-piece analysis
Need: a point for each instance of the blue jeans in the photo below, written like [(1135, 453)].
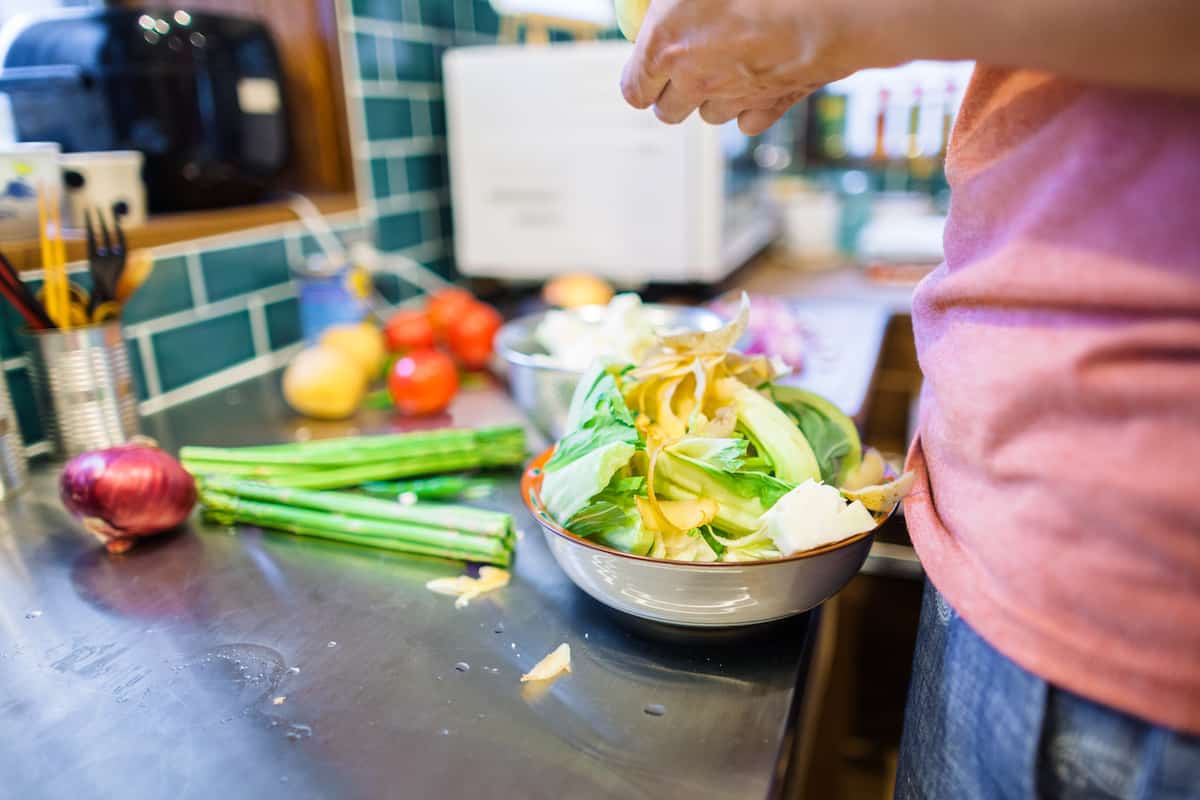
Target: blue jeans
[(979, 726)]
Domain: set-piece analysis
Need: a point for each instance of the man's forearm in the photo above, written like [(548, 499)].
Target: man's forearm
[(1146, 44)]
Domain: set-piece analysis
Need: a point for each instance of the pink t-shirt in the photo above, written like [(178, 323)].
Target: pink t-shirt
[(1057, 505)]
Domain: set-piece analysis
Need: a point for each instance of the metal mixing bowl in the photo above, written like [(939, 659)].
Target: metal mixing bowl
[(542, 388)]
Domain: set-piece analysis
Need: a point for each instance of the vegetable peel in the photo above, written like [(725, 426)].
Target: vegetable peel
[(465, 588), (884, 497), (557, 662)]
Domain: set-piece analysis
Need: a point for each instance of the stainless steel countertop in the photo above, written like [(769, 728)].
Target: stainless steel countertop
[(160, 673)]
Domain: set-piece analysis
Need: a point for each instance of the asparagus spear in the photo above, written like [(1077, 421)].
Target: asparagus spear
[(356, 530), (477, 521), (337, 463), (486, 443), (442, 487)]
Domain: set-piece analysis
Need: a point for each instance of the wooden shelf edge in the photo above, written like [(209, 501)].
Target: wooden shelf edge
[(166, 229)]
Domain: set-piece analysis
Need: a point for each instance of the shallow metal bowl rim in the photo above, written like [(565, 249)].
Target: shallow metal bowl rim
[(544, 361)]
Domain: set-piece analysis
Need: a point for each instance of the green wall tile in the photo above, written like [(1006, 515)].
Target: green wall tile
[(380, 182), (416, 61), (393, 288), (445, 267), (398, 231), (437, 13), (388, 118), (166, 291), (446, 220), (426, 172), (283, 323), (193, 351), (20, 388), (10, 323), (437, 117), (379, 9), (135, 366), (368, 56), (237, 270), (486, 19)]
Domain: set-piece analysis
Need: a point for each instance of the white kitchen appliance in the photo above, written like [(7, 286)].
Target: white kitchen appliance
[(551, 171)]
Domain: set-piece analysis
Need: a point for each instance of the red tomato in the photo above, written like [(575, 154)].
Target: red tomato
[(423, 382), (408, 330), (472, 334), (445, 307)]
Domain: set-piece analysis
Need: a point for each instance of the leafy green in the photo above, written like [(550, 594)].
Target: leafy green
[(707, 532), (774, 434), (724, 454), (831, 434), (613, 521), (601, 439), (741, 496)]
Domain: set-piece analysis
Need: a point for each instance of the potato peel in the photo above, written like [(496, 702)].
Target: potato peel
[(551, 666), (465, 588), (882, 498), (869, 473), (718, 341)]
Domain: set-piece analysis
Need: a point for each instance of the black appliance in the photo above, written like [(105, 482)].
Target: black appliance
[(201, 95)]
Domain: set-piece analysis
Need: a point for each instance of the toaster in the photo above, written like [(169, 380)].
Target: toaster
[(199, 95)]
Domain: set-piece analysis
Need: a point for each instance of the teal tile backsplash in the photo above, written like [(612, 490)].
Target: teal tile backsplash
[(388, 118), (166, 291), (240, 269), (190, 352), (214, 312), (283, 323)]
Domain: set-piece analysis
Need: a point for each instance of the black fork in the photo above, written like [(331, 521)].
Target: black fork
[(105, 260)]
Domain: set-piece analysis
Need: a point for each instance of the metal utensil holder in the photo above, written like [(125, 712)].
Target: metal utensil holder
[(13, 467), (84, 387)]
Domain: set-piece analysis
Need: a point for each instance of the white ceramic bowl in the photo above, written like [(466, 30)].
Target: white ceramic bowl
[(697, 595)]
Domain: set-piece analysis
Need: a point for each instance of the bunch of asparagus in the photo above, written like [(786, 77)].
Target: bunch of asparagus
[(446, 531), (340, 463), (275, 486)]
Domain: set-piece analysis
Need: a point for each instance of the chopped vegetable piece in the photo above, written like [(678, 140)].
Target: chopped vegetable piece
[(551, 666), (868, 473), (465, 588), (602, 442), (814, 514), (832, 435), (696, 455), (884, 497)]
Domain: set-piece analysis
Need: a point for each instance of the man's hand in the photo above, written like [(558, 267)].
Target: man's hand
[(751, 59)]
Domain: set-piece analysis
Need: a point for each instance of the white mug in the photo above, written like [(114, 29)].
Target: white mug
[(99, 180)]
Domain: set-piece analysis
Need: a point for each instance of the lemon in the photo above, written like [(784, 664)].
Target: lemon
[(323, 383), (362, 343), (630, 14)]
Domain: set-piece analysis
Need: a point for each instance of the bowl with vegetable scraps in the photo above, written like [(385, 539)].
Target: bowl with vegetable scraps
[(546, 353), (692, 489)]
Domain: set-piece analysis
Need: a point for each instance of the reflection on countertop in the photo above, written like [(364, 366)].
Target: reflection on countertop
[(253, 664)]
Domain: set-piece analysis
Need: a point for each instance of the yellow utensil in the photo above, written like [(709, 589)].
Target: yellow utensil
[(54, 260)]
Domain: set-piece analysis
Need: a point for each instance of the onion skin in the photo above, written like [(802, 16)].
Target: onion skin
[(127, 492)]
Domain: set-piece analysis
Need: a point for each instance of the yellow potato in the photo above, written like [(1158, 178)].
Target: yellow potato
[(323, 383), (362, 343), (630, 14)]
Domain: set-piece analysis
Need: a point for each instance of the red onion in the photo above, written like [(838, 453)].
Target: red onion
[(126, 492)]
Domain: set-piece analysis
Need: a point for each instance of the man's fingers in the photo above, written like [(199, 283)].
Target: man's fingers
[(642, 82), (718, 112), (755, 121), (675, 104)]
